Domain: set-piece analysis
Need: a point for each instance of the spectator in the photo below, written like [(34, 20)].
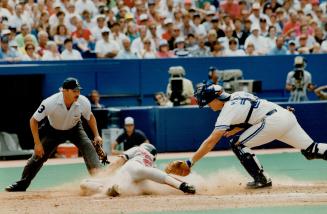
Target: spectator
[(105, 48), (259, 41), (279, 48), (97, 30), (58, 18), (30, 53), (217, 49), (199, 28), (292, 48), (271, 38), (8, 53), (202, 50), (187, 28), (69, 53), (239, 33), (162, 99), (263, 27), (147, 52), (137, 44), (82, 37), (316, 49), (299, 81), (163, 51), (291, 26), (233, 49), (131, 31), (256, 14), (95, 100), (130, 138), (231, 7), (52, 52), (180, 50), (175, 34), (303, 48), (212, 39), (126, 52), (60, 36), (116, 35), (168, 26), (320, 92), (87, 20), (250, 50), (154, 35), (43, 41), (43, 23), (228, 35), (25, 30)]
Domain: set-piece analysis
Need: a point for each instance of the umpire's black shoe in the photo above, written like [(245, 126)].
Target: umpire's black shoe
[(259, 184), (186, 188), (16, 187)]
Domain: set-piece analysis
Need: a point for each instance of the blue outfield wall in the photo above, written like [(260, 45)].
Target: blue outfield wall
[(184, 128), (133, 82)]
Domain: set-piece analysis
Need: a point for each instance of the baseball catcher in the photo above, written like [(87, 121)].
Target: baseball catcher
[(250, 122)]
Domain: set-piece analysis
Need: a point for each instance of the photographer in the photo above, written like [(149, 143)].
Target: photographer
[(299, 81), (179, 89)]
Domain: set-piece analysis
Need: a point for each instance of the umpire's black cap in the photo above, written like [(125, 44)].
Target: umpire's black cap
[(207, 92), (71, 83)]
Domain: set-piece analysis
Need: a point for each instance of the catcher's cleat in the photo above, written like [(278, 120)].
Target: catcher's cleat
[(259, 184), (16, 187), (113, 191), (186, 188)]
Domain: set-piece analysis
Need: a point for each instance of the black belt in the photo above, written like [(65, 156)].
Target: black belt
[(271, 112)]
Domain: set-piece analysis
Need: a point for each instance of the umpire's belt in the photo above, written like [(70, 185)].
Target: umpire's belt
[(271, 112)]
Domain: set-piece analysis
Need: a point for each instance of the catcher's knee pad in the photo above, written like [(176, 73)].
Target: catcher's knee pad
[(312, 152), (250, 162)]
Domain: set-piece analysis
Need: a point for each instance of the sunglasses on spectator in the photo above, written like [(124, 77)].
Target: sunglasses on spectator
[(30, 48)]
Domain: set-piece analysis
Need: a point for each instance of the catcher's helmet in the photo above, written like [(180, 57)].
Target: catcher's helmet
[(150, 148), (207, 92)]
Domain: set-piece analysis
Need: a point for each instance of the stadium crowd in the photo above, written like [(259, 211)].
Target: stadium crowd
[(127, 29)]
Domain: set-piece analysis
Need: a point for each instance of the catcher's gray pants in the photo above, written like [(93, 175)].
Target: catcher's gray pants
[(50, 139)]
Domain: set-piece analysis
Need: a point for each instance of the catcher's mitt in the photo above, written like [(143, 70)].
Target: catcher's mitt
[(178, 167), (102, 155)]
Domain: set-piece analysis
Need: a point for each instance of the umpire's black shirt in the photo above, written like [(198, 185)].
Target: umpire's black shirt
[(136, 139)]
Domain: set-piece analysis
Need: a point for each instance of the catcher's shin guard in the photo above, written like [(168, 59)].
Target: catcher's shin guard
[(315, 151), (252, 165)]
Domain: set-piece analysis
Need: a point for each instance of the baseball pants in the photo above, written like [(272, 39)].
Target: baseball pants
[(50, 139)]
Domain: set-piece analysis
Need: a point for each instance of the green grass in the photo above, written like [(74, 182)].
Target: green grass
[(292, 165)]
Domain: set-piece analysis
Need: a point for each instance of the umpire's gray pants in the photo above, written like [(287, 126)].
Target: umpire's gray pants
[(50, 139)]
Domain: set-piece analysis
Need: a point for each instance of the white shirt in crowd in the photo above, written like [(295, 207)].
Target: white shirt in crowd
[(103, 47), (50, 56), (71, 55), (260, 43)]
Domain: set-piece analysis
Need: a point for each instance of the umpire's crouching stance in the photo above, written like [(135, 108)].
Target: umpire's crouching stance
[(64, 110)]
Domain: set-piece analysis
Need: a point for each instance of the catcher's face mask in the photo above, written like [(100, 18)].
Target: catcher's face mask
[(207, 92)]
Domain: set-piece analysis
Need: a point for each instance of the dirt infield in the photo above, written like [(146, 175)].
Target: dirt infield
[(223, 189), (226, 190)]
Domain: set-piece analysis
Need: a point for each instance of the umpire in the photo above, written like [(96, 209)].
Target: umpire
[(63, 111)]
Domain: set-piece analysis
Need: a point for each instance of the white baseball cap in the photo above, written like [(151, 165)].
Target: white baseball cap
[(129, 121)]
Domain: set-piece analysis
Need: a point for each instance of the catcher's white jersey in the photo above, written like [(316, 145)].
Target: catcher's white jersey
[(236, 110), (269, 122)]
